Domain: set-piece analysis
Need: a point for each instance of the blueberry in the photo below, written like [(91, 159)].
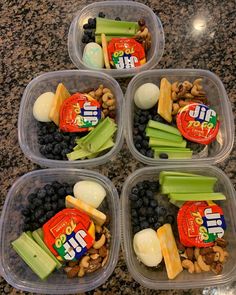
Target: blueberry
[(138, 139), (135, 221), (157, 225), (150, 211), (32, 206), (69, 191), (49, 189), (138, 146), (142, 211), (49, 156), (133, 197), (149, 194), (142, 193), (31, 197), (42, 150), (163, 156), (161, 219), (134, 213), (135, 131), (142, 151), (42, 219), (136, 229), (47, 206), (170, 219), (86, 26), (153, 203), (54, 198), (61, 204), (58, 136), (38, 202), (154, 185), (151, 219), (145, 201), (144, 224), (48, 148), (25, 212), (141, 127), (38, 213), (161, 211), (41, 193), (142, 218), (49, 214), (56, 184), (118, 18), (135, 190), (101, 14), (41, 140), (92, 23), (54, 206)]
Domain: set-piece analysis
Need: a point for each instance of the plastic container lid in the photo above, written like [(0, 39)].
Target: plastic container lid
[(74, 80), (12, 267), (158, 279), (213, 153), (128, 11)]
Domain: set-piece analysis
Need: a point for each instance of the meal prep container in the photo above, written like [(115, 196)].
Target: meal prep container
[(158, 279), (75, 81), (213, 153), (12, 267), (127, 11)]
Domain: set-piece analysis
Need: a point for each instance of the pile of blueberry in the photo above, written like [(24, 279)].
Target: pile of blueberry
[(55, 144), (141, 118), (44, 203), (89, 28), (145, 210)]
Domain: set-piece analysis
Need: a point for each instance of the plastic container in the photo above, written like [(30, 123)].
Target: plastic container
[(213, 153), (127, 11), (12, 267), (159, 280), (75, 81)]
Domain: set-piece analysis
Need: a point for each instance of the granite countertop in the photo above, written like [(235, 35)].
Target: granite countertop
[(33, 39)]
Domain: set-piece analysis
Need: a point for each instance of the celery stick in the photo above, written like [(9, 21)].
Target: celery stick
[(29, 234), (98, 38), (178, 204), (152, 132), (99, 135), (170, 149), (40, 232), (197, 196), (34, 256), (173, 154), (41, 243), (81, 153), (163, 127), (197, 184), (155, 142), (174, 173), (116, 28)]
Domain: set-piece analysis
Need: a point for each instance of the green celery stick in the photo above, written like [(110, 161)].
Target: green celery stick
[(155, 133), (170, 149), (174, 173), (79, 142), (155, 142), (116, 28), (41, 243), (163, 127), (99, 135), (98, 38), (34, 256), (178, 204), (197, 184), (174, 154), (40, 232), (81, 153), (29, 234), (197, 196)]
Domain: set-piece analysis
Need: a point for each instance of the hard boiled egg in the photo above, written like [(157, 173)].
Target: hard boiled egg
[(42, 107), (146, 96), (89, 192), (147, 247)]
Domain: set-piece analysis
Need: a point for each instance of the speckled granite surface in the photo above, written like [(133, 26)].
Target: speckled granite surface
[(33, 40)]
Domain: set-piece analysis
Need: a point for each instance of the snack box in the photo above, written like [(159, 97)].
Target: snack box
[(158, 279), (12, 267), (75, 81), (127, 11), (213, 153)]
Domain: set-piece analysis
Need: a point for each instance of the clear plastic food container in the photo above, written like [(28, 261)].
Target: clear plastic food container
[(75, 81), (127, 11), (12, 267), (213, 153), (158, 279)]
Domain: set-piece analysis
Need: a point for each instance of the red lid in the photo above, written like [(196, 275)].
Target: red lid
[(79, 112), (126, 53), (200, 224), (66, 234), (198, 123)]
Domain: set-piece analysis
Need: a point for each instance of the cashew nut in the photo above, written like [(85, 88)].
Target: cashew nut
[(106, 90), (197, 268), (84, 261), (188, 264), (175, 86), (99, 91), (94, 256), (217, 256), (202, 264), (143, 34), (226, 256), (110, 102), (220, 251), (92, 93), (183, 103), (106, 96), (81, 272), (175, 108), (174, 96), (112, 108), (98, 228), (187, 85), (98, 244), (197, 82), (196, 92), (188, 95)]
